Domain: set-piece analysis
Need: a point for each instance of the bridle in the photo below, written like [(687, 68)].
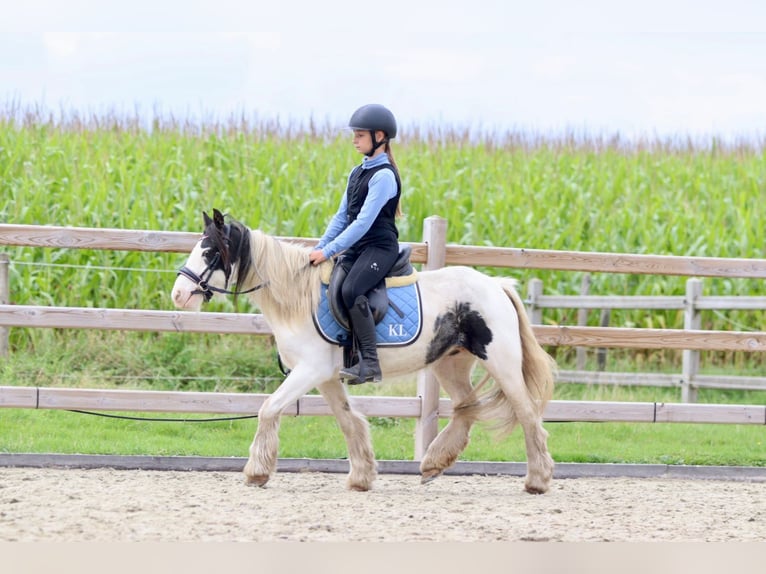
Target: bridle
[(204, 288), (207, 290)]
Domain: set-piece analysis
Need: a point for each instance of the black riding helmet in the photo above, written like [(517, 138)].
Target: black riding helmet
[(374, 117)]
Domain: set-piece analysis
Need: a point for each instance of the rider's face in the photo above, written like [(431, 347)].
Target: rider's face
[(363, 141)]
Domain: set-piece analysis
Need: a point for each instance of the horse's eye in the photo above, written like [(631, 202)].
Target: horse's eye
[(207, 255)]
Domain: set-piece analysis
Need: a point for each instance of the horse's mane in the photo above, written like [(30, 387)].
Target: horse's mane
[(293, 283)]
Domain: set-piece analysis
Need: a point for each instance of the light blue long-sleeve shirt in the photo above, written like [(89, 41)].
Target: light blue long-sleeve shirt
[(340, 235)]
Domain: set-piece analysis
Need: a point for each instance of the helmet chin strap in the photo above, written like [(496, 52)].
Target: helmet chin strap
[(375, 144)]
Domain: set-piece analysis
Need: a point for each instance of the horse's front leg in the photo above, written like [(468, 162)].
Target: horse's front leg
[(262, 462), (356, 430)]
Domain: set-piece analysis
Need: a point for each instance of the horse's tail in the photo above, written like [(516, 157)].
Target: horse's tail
[(538, 369)]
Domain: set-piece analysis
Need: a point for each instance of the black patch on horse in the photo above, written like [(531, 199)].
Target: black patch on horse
[(459, 327)]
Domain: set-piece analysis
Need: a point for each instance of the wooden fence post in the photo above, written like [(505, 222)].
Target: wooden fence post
[(601, 351), (691, 359), (5, 292), (582, 321), (427, 425), (534, 290)]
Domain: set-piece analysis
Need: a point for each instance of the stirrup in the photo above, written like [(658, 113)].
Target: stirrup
[(352, 374)]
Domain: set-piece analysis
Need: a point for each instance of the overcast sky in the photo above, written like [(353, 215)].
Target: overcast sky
[(651, 67)]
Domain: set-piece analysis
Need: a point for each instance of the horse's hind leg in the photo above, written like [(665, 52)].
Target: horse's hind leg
[(539, 461), (522, 408), (356, 430), (454, 374)]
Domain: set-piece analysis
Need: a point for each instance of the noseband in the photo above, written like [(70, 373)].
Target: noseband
[(204, 288)]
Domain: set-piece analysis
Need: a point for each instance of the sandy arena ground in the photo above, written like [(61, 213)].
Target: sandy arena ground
[(133, 505)]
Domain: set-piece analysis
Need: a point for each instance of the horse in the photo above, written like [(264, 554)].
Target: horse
[(469, 318)]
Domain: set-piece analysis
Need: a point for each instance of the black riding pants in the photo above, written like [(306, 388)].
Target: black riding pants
[(368, 266)]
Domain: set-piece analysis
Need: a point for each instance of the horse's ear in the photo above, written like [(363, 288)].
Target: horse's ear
[(206, 218), (218, 218)]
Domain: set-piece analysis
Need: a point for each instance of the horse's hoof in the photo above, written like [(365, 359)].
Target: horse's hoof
[(257, 480), (359, 487), (531, 489), (359, 484), (430, 475)]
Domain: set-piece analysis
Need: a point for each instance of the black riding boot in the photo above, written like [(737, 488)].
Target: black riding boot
[(363, 325)]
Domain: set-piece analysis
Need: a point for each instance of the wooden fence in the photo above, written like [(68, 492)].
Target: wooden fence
[(692, 303), (427, 407)]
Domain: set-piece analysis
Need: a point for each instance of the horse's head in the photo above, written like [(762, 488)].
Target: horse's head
[(216, 261)]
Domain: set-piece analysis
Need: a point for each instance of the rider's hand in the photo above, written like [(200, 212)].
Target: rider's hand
[(317, 257)]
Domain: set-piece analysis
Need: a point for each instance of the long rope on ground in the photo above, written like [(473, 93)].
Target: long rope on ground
[(162, 420)]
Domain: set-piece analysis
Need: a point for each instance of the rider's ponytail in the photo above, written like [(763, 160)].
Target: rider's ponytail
[(399, 211)]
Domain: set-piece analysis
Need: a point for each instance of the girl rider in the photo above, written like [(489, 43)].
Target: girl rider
[(364, 231)]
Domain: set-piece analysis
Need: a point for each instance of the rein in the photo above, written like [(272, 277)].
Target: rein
[(204, 288)]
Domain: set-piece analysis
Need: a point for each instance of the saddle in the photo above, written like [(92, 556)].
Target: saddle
[(402, 273)]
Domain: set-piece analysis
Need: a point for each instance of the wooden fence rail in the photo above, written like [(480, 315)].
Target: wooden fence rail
[(255, 324), (402, 407), (475, 256), (427, 407)]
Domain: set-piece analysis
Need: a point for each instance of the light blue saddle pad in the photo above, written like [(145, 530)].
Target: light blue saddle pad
[(392, 331)]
